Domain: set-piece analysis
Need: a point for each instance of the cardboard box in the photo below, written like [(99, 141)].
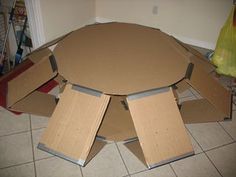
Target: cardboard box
[(121, 85)]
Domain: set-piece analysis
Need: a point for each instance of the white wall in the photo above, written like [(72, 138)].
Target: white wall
[(196, 22), (62, 16)]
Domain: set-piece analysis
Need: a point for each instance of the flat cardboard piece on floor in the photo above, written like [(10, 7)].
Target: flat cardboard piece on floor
[(160, 129), (37, 103), (28, 81), (200, 111), (117, 123), (135, 148), (211, 89), (74, 124), (119, 58)]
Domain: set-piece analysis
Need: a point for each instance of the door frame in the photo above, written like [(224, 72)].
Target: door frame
[(35, 20)]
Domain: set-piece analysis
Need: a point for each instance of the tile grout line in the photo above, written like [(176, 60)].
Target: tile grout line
[(32, 144), (45, 158), (210, 148), (122, 158), (195, 140), (213, 165), (226, 131), (81, 171), (39, 128), (220, 146), (16, 165), (139, 172), (173, 170), (25, 131)]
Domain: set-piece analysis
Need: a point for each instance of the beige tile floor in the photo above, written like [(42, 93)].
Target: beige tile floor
[(214, 145)]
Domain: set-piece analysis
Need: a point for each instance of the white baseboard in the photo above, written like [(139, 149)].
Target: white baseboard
[(195, 42), (103, 20)]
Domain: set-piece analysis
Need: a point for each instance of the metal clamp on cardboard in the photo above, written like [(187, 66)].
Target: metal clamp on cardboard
[(147, 93), (53, 62), (87, 90), (170, 160), (189, 71), (53, 152)]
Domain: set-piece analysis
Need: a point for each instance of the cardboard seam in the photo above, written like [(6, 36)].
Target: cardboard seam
[(89, 142)]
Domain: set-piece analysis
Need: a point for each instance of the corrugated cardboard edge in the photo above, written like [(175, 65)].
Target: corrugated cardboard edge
[(151, 101)]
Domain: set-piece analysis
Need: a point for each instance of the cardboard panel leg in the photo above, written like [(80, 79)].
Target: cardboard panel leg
[(74, 124), (117, 124), (192, 112), (159, 127)]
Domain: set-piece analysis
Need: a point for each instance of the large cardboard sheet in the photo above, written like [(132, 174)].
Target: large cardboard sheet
[(37, 56), (159, 126), (120, 58), (74, 124)]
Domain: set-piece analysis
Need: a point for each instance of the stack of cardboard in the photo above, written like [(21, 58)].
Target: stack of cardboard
[(121, 83)]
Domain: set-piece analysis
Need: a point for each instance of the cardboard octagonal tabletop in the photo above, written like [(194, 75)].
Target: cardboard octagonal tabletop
[(120, 58)]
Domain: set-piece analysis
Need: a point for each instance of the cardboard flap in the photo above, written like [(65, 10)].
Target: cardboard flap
[(37, 103), (211, 89), (192, 112), (35, 57), (74, 124), (29, 80), (197, 57), (203, 63), (51, 43), (117, 124), (159, 127)]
